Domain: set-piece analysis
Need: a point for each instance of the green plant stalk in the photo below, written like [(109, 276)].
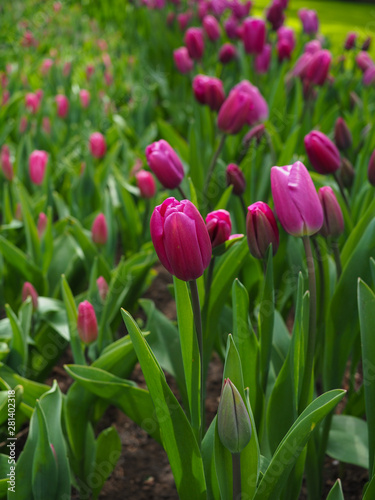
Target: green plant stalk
[(213, 164), (210, 274), (320, 315), (342, 191), (243, 205), (309, 365), (236, 467), (146, 218), (336, 255), (198, 328), (182, 192)]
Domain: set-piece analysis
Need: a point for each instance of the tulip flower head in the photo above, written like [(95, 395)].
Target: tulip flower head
[(87, 324), (211, 28), (227, 53), (322, 153), (318, 67), (62, 105), (297, 203), (261, 230), (182, 60), (262, 60), (37, 166), (84, 96), (194, 43), (6, 165), (32, 102), (254, 35), (97, 144), (333, 224), (165, 163), (310, 21), (235, 178), (234, 112), (146, 183), (102, 288), (29, 291), (181, 239), (343, 136), (42, 224), (209, 90), (275, 14), (99, 230), (259, 107), (350, 40), (219, 226)]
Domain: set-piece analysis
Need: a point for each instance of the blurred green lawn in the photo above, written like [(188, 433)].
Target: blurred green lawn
[(336, 18)]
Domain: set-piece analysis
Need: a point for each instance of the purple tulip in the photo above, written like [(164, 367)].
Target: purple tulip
[(312, 46), (211, 27), (287, 34), (350, 40), (235, 178), (240, 9), (37, 166), (164, 162), (87, 324), (254, 35), (371, 169), (182, 60), (234, 112), (227, 53), (297, 203), (262, 60), (275, 14), (369, 76), (103, 288), (301, 65), (261, 230), (309, 20), (184, 19), (181, 239), (364, 61), (219, 226), (84, 96), (333, 224), (146, 183), (209, 90), (231, 26), (194, 43), (343, 136), (259, 107), (322, 153), (318, 67), (256, 132), (366, 44), (284, 49)]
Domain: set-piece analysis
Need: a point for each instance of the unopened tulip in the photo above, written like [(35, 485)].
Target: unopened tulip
[(99, 230), (364, 61), (254, 35), (165, 163), (333, 224), (301, 65), (347, 173), (297, 203), (209, 90), (46, 125), (234, 112), (46, 66), (322, 153), (146, 184), (366, 44), (262, 60), (29, 291), (343, 136), (32, 102), (181, 239), (240, 9), (183, 20), (309, 20), (211, 28), (227, 53), (313, 46), (98, 146), (6, 164), (102, 288), (219, 226), (194, 43), (231, 26), (182, 60), (259, 107), (67, 68), (284, 49), (84, 96), (318, 67), (350, 41), (235, 178), (369, 76), (42, 224), (87, 324), (37, 166), (285, 33), (90, 69), (261, 230), (256, 132), (233, 421), (62, 105), (371, 169), (275, 14), (23, 124)]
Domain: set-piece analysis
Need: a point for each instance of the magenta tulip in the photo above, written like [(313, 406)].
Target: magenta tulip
[(240, 9), (164, 162), (84, 96), (322, 153), (211, 27), (181, 239), (364, 61), (227, 53), (87, 324), (297, 203), (37, 166), (261, 230), (209, 90), (42, 224), (235, 178), (32, 102), (102, 288), (219, 226), (29, 291), (333, 224), (343, 136), (310, 21), (146, 183), (234, 112), (62, 105), (275, 14), (194, 43), (182, 60), (254, 35), (97, 144), (231, 26), (262, 60), (369, 76), (350, 40), (6, 164), (318, 67), (259, 107), (313, 46), (99, 230), (366, 44)]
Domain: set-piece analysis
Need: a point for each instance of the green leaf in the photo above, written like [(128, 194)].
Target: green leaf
[(168, 132), (348, 440), (369, 491), (72, 314), (18, 345), (178, 436), (224, 199), (336, 492), (31, 233), (208, 456), (108, 451)]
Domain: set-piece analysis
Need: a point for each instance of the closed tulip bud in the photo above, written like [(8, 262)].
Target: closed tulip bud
[(183, 20), (347, 173), (297, 203), (235, 178), (164, 162), (87, 324), (42, 224), (259, 107), (219, 226), (371, 169), (32, 102), (364, 61), (254, 35), (29, 291), (284, 49), (209, 90), (369, 76), (46, 66), (62, 105), (256, 133), (233, 421), (102, 288), (227, 53), (312, 47), (318, 67), (90, 69), (84, 96), (23, 124), (240, 9), (287, 34), (262, 60), (350, 41), (231, 26), (310, 21), (182, 60), (46, 125), (343, 136), (211, 27), (194, 43), (99, 230), (322, 153), (234, 112), (37, 166), (67, 68), (261, 230), (275, 14), (181, 239), (333, 224), (98, 146), (366, 44), (6, 165), (146, 184)]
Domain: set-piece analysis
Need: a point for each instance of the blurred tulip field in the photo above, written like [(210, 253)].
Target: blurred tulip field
[(187, 242)]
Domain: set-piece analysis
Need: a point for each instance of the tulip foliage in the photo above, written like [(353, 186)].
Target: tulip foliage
[(235, 151)]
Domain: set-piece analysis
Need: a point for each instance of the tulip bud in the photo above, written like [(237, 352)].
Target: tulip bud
[(102, 288), (288, 35), (235, 178), (318, 67), (146, 183), (99, 230), (32, 103), (262, 60), (371, 169), (182, 60), (231, 26), (87, 324), (67, 68), (233, 421), (275, 14), (23, 124), (350, 41), (219, 226), (234, 112), (364, 61), (366, 44), (42, 224), (209, 90), (312, 47), (343, 136), (227, 53), (29, 291), (164, 162), (6, 165), (322, 153), (181, 239), (297, 203), (369, 76), (211, 27), (254, 35), (261, 230), (194, 43), (256, 133), (240, 9), (259, 107), (284, 49), (90, 69), (98, 146), (46, 66), (333, 224), (183, 20), (46, 125), (309, 20), (62, 105), (37, 166), (84, 96), (347, 173)]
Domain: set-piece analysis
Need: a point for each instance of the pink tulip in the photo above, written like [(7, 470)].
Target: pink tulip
[(67, 68), (254, 35), (62, 105), (318, 67), (209, 90), (259, 107), (235, 178), (102, 288), (183, 19), (42, 224), (146, 184), (37, 166), (275, 14), (194, 43), (46, 66), (87, 324), (369, 76), (234, 112), (343, 136), (211, 28), (99, 230), (262, 60), (97, 144), (29, 291), (231, 26), (313, 46), (350, 40), (23, 124), (240, 9), (6, 165), (32, 102), (182, 60), (309, 20), (219, 227), (364, 61), (227, 53), (90, 69), (322, 153), (165, 163), (261, 230)]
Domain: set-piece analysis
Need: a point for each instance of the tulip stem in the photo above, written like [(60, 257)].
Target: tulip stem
[(244, 207), (309, 362), (182, 192), (212, 165), (341, 187), (146, 218), (336, 255), (236, 467), (198, 328), (209, 278)]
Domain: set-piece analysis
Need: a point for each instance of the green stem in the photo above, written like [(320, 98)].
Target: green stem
[(336, 255), (320, 317), (182, 192), (209, 278), (198, 328), (212, 165), (244, 207), (309, 362), (342, 191), (236, 464), (146, 217)]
